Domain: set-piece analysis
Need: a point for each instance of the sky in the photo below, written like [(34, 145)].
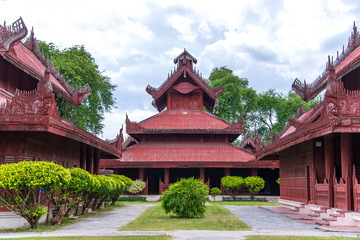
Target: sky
[(134, 42)]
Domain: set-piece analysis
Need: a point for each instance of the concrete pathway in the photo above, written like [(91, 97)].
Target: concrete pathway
[(263, 222)]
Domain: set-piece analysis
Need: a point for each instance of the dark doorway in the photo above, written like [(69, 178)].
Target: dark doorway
[(215, 175), (242, 172), (132, 173), (153, 175), (270, 176), (177, 173)]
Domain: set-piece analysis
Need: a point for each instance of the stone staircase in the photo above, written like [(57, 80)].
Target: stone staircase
[(320, 215)]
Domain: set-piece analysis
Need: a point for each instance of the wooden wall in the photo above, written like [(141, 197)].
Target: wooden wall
[(296, 173), (39, 146), (12, 78)]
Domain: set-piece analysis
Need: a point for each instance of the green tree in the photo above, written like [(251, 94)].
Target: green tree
[(186, 198), (78, 67), (254, 184), (232, 185), (26, 186), (215, 192), (274, 110), (237, 99)]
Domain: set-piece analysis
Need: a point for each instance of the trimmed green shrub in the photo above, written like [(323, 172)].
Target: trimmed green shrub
[(215, 192), (127, 181), (132, 198), (69, 198), (136, 187), (254, 184), (90, 193), (232, 185), (186, 198), (120, 188), (26, 186)]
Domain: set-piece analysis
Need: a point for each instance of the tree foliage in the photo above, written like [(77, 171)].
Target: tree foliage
[(78, 67), (136, 187), (232, 185), (214, 192), (186, 198), (26, 186), (268, 111), (254, 185), (237, 99), (274, 110)]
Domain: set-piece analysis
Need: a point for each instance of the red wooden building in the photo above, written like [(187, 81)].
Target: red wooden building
[(319, 159), (183, 139), (31, 128)]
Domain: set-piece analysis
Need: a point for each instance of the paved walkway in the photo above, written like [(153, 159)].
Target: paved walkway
[(263, 222)]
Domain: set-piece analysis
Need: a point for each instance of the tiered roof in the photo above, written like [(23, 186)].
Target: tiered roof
[(185, 67), (36, 110), (28, 58), (196, 151)]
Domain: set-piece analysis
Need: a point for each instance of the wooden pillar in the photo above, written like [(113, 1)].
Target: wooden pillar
[(346, 163), (82, 156), (97, 161), (254, 172), (346, 166), (227, 171), (166, 175), (329, 165), (89, 159), (202, 174), (142, 174)]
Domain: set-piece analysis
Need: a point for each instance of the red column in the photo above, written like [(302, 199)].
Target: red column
[(329, 165), (89, 159), (202, 174), (346, 165), (254, 172), (82, 156), (166, 175), (227, 171), (97, 161), (142, 174), (346, 162)]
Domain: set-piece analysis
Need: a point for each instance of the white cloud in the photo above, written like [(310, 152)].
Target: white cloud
[(135, 42), (183, 26)]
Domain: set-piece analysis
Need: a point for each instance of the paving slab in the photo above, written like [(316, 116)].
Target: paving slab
[(263, 222)]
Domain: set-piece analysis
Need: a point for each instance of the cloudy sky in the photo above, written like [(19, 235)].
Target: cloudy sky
[(134, 42)]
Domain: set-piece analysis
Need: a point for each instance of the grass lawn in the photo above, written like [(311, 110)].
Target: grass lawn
[(158, 237), (216, 218), (295, 238)]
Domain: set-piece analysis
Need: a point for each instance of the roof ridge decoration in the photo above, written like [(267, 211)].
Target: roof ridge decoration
[(132, 124), (309, 91), (237, 125), (40, 101), (255, 141), (186, 67), (11, 35), (78, 94), (118, 141)]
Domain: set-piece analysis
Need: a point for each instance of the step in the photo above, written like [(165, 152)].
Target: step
[(309, 221), (322, 222), (336, 215), (330, 219), (314, 215)]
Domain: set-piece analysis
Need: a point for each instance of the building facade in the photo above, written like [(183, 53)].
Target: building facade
[(185, 140)]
